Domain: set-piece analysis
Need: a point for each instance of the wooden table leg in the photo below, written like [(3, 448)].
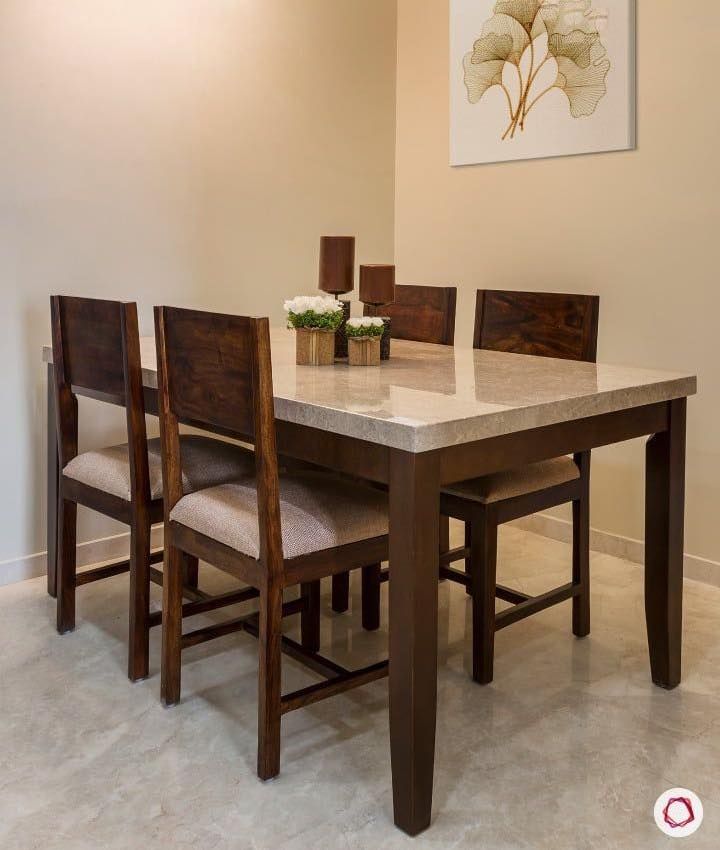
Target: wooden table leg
[(53, 471), (414, 540), (664, 531)]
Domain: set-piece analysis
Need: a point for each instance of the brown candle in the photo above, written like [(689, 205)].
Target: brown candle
[(337, 264), (377, 285)]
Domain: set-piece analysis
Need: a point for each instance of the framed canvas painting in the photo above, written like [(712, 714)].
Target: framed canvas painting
[(540, 78)]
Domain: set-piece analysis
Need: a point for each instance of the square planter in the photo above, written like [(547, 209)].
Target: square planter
[(314, 347), (364, 351)]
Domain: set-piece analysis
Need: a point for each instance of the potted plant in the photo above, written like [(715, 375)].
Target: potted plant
[(315, 320), (364, 340)]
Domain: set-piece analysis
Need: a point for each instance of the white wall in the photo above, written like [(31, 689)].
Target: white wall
[(638, 228), (182, 152)]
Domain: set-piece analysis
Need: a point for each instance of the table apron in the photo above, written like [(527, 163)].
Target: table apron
[(371, 461), (508, 451), (480, 457)]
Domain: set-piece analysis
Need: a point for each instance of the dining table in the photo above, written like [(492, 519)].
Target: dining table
[(435, 415)]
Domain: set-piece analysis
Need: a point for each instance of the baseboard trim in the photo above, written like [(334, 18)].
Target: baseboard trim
[(556, 528), (117, 546), (91, 553)]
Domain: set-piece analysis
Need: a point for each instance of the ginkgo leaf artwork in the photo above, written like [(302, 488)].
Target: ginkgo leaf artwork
[(540, 70), (568, 32)]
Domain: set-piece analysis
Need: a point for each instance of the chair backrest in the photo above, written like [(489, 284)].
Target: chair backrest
[(96, 353), (421, 313), (89, 337), (540, 323), (215, 372)]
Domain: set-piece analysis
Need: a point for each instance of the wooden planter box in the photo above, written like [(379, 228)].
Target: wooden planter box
[(364, 351), (314, 347)]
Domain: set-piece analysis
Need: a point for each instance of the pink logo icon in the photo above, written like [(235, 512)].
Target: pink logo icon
[(678, 812), (670, 812)]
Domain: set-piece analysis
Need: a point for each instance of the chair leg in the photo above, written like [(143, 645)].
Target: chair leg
[(468, 560), (171, 626), (310, 616), (191, 571), (581, 566), (371, 597), (53, 483), (67, 537), (139, 634), (341, 592), (483, 555), (269, 675)]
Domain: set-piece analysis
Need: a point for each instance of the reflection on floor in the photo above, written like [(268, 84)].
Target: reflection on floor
[(569, 748)]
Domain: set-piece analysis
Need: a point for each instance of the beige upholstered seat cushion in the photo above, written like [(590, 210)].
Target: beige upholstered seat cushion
[(318, 511), (517, 482), (205, 462)]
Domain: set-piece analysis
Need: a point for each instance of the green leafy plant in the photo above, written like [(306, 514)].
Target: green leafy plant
[(517, 34), (314, 313), (367, 327)]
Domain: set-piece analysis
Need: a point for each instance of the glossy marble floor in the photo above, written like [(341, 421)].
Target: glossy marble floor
[(569, 748)]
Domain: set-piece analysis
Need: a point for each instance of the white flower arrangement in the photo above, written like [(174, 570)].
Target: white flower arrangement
[(366, 327), (317, 312)]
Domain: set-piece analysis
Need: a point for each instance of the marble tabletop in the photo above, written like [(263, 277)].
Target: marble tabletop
[(431, 396)]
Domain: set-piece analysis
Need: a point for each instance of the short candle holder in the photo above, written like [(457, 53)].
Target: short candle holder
[(377, 290)]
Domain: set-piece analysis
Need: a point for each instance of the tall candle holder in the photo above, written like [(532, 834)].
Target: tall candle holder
[(377, 290), (337, 277)]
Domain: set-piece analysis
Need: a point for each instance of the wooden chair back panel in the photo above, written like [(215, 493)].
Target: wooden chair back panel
[(539, 323), (210, 360), (215, 370), (96, 353), (421, 313), (91, 334)]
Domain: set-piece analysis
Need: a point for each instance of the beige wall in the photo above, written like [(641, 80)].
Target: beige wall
[(639, 228), (183, 151), (172, 150)]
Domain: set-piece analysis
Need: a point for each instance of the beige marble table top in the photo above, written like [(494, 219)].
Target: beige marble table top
[(431, 396)]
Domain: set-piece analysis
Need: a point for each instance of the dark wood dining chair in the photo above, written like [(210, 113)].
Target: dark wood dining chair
[(545, 325), (270, 530), (419, 314), (96, 353)]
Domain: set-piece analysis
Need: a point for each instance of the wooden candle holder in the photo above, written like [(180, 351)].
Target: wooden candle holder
[(337, 276), (377, 285), (337, 264)]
